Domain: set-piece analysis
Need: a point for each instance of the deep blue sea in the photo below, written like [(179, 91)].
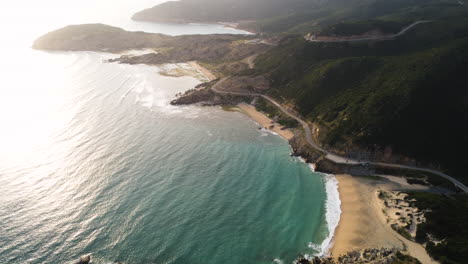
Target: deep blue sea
[(94, 160)]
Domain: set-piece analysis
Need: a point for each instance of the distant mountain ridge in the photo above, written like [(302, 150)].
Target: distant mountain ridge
[(403, 100), (298, 16), (222, 10)]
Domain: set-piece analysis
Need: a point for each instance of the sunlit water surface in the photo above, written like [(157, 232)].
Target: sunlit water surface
[(94, 160)]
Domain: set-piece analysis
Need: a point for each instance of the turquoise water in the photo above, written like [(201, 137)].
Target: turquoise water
[(94, 160)]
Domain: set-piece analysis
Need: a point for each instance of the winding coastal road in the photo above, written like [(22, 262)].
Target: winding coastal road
[(385, 37), (328, 155)]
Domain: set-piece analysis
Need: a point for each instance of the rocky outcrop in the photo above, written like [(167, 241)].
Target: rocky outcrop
[(100, 37), (367, 256), (225, 51), (84, 260), (202, 94), (302, 149), (97, 37), (327, 166)]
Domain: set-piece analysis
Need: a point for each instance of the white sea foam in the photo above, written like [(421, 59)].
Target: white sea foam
[(332, 212), (279, 261), (312, 166), (271, 132), (125, 94), (138, 52), (265, 132), (300, 159), (145, 97)]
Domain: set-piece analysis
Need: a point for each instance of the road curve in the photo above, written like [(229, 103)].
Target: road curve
[(386, 37), (328, 155)]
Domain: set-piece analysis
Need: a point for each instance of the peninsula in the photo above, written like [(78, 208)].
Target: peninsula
[(391, 113)]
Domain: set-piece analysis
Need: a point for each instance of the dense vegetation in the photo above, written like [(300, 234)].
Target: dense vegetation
[(362, 27), (409, 93), (446, 222), (405, 259), (273, 112), (97, 37), (216, 48), (222, 10), (303, 15)]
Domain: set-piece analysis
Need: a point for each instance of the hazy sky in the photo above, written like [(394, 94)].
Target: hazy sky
[(21, 21), (72, 9), (22, 14)]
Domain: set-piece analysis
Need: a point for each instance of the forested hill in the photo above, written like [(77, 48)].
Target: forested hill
[(222, 10), (409, 94), (303, 16), (406, 94)]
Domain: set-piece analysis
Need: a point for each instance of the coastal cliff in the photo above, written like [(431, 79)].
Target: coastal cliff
[(349, 98), (166, 49), (206, 11), (366, 95), (206, 97), (318, 17), (97, 37)]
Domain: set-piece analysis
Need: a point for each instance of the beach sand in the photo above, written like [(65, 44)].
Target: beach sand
[(265, 122), (250, 110), (360, 226), (203, 70), (363, 224)]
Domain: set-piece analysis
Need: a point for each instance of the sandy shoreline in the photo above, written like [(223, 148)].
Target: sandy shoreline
[(210, 76), (236, 26), (360, 226), (363, 224), (265, 122)]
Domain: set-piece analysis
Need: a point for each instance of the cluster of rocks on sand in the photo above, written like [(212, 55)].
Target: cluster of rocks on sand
[(368, 256), (401, 213)]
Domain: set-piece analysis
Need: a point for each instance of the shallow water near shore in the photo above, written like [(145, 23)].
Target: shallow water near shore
[(94, 160)]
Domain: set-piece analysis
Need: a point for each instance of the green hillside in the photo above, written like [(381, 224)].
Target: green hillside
[(301, 16), (445, 222), (410, 93)]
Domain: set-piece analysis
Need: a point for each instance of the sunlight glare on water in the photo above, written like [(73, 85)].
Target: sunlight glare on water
[(94, 160)]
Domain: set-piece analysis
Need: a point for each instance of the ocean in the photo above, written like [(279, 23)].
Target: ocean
[(94, 159)]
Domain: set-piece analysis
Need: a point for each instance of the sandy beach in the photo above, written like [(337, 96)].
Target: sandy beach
[(360, 226), (203, 70), (250, 110), (363, 224), (265, 122)]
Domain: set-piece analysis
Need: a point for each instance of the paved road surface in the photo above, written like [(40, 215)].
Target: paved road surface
[(328, 155), (385, 37)]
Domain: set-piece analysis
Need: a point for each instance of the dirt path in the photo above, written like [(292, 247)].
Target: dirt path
[(250, 61)]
